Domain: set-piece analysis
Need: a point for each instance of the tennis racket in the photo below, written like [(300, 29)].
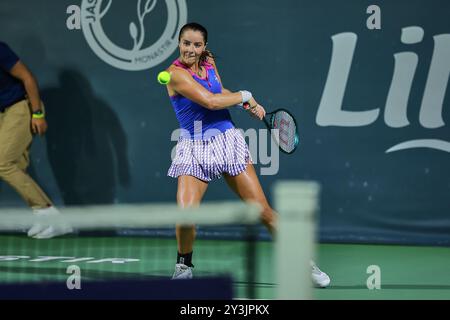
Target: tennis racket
[(284, 121)]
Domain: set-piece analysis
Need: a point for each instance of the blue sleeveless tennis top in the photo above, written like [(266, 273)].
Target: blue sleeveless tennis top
[(200, 122)]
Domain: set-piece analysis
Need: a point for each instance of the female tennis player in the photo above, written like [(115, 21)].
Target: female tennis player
[(210, 146)]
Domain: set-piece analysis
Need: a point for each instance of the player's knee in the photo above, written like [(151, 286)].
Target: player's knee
[(188, 200), (186, 228), (188, 203)]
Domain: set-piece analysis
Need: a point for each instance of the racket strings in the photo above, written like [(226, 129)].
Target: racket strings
[(288, 137)]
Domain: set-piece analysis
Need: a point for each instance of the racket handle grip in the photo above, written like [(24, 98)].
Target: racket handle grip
[(244, 106), (247, 106)]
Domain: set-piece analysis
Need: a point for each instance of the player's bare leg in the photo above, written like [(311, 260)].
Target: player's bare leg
[(190, 193), (246, 185)]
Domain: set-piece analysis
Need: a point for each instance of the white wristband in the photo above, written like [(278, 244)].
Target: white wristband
[(246, 96)]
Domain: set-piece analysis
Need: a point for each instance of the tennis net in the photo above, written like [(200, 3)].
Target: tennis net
[(129, 243), (135, 244)]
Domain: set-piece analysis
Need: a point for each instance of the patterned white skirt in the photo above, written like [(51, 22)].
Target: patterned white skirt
[(209, 159)]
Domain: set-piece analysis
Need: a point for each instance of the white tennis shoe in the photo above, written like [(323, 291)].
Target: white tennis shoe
[(320, 279), (182, 271), (42, 229), (51, 232)]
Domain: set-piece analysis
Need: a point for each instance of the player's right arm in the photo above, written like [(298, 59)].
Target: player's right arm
[(257, 111), (182, 83)]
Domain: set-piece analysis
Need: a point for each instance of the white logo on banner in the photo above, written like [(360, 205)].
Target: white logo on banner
[(331, 112), (140, 56)]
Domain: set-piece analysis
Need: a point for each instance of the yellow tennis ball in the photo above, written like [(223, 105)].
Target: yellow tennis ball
[(164, 77)]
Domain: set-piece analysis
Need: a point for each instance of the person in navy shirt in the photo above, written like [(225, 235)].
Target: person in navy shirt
[(21, 116)]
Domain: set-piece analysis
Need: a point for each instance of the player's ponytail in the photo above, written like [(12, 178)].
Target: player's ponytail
[(205, 55)]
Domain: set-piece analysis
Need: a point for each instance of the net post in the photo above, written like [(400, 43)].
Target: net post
[(252, 211), (297, 204), (252, 267)]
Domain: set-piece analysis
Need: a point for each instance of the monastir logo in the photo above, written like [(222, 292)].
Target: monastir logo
[(140, 56)]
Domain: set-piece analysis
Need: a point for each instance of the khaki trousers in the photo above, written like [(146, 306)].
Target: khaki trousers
[(15, 142)]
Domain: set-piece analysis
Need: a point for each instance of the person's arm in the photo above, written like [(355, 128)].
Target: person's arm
[(21, 72), (255, 110), (183, 83)]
